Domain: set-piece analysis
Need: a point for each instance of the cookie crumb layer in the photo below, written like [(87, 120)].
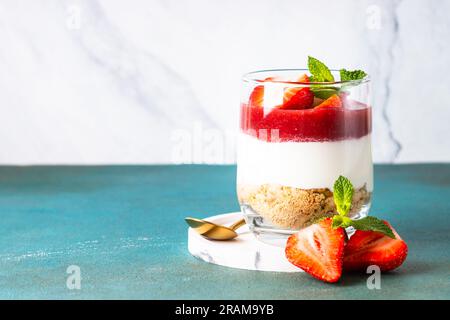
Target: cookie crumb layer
[(294, 208)]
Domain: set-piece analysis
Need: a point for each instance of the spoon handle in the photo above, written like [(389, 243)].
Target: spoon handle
[(237, 224)]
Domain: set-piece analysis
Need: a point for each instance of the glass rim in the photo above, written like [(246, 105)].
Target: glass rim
[(249, 77)]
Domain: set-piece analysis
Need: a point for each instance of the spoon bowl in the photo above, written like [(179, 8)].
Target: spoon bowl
[(214, 231)]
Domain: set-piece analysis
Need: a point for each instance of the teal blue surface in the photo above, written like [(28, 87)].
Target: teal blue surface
[(123, 226)]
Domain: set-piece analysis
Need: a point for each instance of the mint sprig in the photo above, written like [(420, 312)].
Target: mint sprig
[(343, 196), (321, 73), (347, 75)]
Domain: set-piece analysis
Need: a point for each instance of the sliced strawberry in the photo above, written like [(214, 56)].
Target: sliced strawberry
[(257, 97), (367, 248), (318, 250), (302, 99), (332, 102), (298, 98), (290, 92)]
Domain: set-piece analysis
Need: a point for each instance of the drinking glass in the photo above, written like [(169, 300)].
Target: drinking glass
[(289, 155)]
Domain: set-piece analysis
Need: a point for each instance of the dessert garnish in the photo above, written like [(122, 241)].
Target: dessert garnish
[(322, 88), (298, 98), (352, 75), (342, 195), (334, 102), (257, 97), (321, 73), (319, 249)]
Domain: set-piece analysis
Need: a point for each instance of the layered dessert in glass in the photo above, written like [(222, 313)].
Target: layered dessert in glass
[(296, 138)]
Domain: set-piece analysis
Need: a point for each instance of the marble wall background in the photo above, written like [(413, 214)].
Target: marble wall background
[(159, 81)]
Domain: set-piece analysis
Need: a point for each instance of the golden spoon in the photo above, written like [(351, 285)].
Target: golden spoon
[(214, 231)]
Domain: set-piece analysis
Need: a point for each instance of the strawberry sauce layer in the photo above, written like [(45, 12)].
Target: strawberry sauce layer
[(322, 124)]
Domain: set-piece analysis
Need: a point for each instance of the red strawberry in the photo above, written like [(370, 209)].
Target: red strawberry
[(332, 102), (290, 92), (298, 98), (318, 250), (257, 96), (367, 248)]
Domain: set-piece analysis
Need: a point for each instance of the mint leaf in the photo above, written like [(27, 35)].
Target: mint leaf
[(373, 224), (366, 224), (341, 221), (319, 71), (343, 195), (347, 75)]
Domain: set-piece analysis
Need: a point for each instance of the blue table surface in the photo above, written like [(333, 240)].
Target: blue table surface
[(123, 226)]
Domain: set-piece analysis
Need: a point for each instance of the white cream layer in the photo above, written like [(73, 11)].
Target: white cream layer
[(305, 165)]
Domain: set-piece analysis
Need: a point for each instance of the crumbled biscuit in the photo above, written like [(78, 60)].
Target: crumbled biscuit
[(294, 208)]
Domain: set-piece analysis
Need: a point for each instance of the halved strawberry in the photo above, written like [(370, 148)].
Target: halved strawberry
[(298, 97), (367, 248), (332, 102), (318, 250)]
